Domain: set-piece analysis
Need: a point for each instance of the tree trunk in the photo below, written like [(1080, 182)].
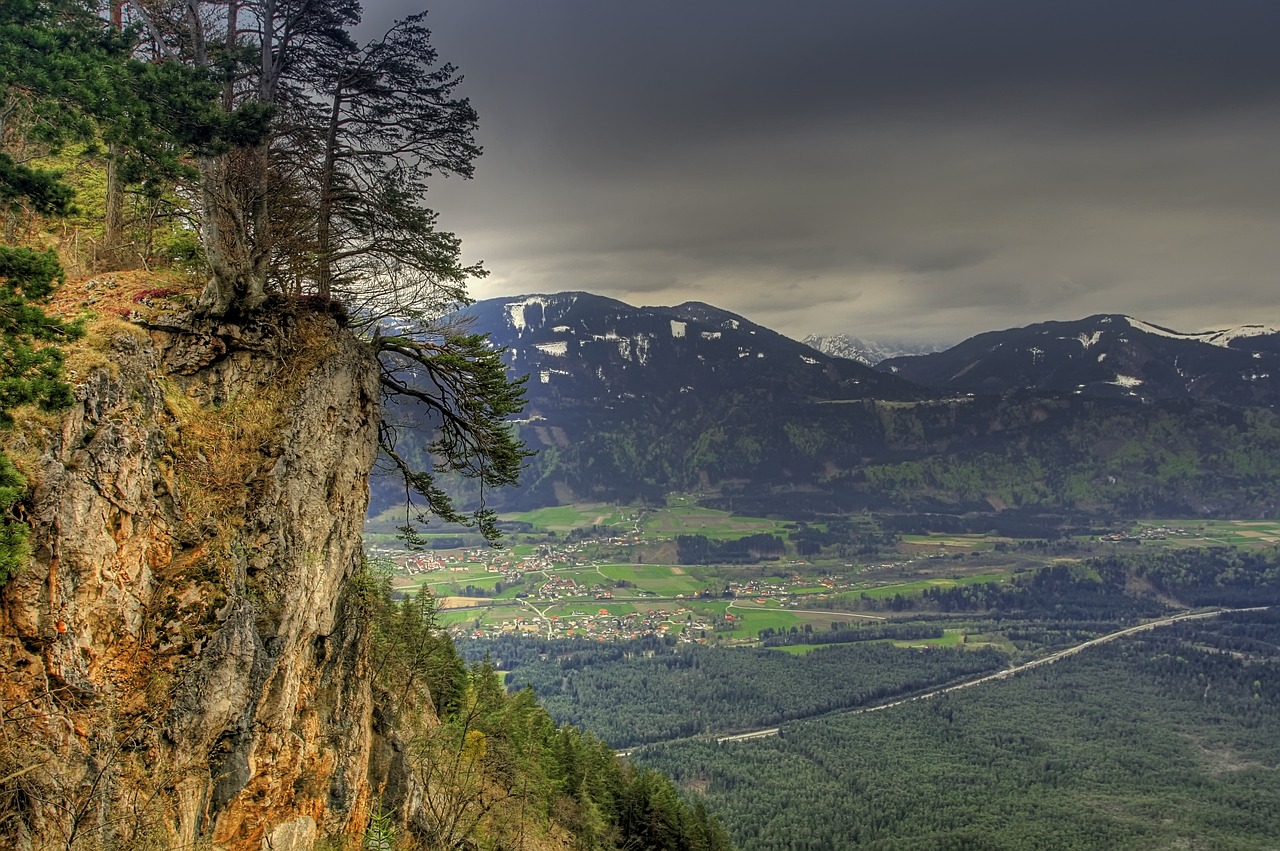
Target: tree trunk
[(238, 274), (112, 255), (324, 215), (234, 219), (113, 218)]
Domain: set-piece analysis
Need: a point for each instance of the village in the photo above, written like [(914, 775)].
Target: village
[(1148, 533), (560, 591)]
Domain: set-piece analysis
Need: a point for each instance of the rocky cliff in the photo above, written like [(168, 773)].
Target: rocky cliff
[(181, 667)]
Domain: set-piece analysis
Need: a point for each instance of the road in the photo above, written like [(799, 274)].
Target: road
[(999, 675), (541, 613)]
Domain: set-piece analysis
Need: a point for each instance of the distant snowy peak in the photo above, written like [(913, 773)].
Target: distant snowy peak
[(869, 352)]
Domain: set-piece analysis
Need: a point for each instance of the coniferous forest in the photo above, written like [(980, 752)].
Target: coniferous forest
[(1172, 738), (1159, 738)]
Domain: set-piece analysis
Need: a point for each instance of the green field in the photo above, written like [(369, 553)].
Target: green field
[(487, 617), (749, 620), (663, 580), (441, 587), (950, 638), (694, 520), (1236, 533), (959, 543), (910, 589), (564, 518)]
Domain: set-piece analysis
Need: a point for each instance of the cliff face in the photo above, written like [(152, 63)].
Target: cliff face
[(181, 666)]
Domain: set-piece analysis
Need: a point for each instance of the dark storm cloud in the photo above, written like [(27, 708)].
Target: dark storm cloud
[(892, 168)]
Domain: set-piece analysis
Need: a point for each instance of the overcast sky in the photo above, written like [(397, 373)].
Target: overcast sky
[(917, 170)]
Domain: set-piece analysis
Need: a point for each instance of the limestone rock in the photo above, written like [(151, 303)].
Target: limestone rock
[(179, 662)]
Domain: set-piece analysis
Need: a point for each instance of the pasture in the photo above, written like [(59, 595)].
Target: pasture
[(663, 580), (1236, 533), (948, 543), (911, 589), (565, 518), (950, 638), (694, 520)]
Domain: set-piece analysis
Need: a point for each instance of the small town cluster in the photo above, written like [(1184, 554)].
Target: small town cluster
[(1148, 533)]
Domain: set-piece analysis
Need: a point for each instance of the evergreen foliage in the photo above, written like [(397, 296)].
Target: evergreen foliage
[(14, 544), (496, 765), (671, 693), (34, 67), (30, 362), (310, 156), (457, 388), (1165, 739)]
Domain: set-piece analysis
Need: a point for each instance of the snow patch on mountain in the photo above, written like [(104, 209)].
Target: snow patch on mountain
[(642, 349), (1221, 337), (558, 349), (1088, 340), (1225, 336), (516, 309), (1148, 328), (544, 375)]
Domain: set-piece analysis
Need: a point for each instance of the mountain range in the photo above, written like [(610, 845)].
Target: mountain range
[(1108, 356), (585, 350), (581, 349), (1105, 414)]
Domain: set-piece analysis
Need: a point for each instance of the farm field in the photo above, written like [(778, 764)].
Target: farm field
[(950, 638), (565, 518), (663, 580), (1237, 533), (908, 589), (695, 520), (945, 542)]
